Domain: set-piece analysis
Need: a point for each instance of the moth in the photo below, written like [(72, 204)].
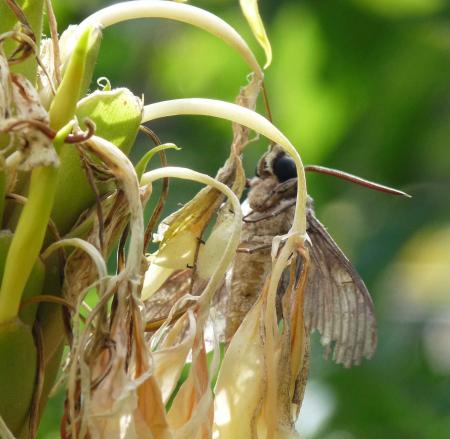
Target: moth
[(337, 302)]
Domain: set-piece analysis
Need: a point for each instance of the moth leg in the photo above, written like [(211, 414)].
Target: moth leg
[(284, 190), (255, 249), (286, 186), (271, 214)]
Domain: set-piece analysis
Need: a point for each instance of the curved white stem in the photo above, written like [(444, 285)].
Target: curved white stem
[(176, 11), (230, 249), (4, 430), (242, 116), (83, 245), (121, 166)]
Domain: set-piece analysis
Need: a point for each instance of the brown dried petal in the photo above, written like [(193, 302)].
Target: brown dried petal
[(170, 357), (191, 414), (35, 146)]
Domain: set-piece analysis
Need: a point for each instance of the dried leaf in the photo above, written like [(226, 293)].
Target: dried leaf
[(116, 406), (170, 356), (191, 414)]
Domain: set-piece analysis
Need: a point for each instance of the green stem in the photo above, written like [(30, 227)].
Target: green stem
[(30, 232), (144, 161), (29, 236)]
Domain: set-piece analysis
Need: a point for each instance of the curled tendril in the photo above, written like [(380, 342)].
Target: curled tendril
[(83, 136)]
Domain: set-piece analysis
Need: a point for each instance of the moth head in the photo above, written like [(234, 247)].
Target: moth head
[(276, 162)]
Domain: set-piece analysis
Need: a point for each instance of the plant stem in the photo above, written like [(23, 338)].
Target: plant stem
[(28, 237), (30, 231), (131, 10), (242, 116)]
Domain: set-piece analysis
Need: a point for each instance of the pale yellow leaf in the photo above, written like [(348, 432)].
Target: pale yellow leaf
[(211, 253), (251, 13), (178, 252), (240, 386), (155, 276)]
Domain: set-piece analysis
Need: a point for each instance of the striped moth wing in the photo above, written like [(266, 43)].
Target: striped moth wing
[(337, 303)]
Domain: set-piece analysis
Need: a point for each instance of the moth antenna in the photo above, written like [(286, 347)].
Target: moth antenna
[(355, 179)]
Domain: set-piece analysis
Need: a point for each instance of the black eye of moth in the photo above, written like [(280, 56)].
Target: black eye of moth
[(284, 168)]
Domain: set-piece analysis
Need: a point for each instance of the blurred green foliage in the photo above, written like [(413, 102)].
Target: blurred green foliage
[(359, 85)]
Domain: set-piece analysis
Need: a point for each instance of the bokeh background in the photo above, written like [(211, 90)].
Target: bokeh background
[(359, 85)]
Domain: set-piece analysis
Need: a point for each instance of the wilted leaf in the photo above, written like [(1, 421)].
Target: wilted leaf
[(211, 253), (115, 406), (191, 414), (170, 356)]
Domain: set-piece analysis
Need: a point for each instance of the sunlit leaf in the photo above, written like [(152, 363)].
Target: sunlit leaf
[(251, 12), (240, 385)]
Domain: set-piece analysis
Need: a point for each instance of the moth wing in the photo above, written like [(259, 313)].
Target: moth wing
[(337, 303)]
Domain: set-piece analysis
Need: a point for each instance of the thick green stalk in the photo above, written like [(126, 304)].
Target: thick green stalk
[(17, 373), (30, 232), (28, 239), (17, 350)]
